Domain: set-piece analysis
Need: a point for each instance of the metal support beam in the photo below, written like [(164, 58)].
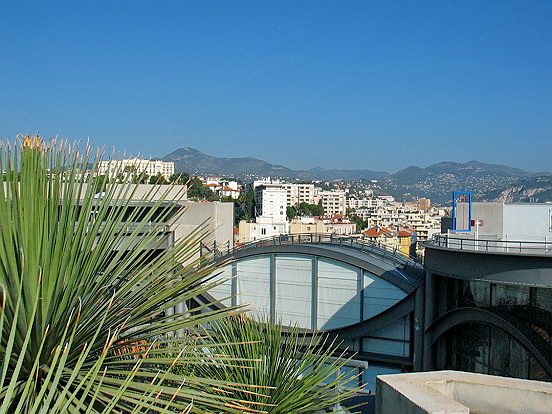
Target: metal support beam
[(314, 293), (272, 288), (429, 317), (419, 328), (234, 285)]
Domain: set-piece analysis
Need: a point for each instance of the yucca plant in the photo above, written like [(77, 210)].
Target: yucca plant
[(297, 373), (84, 326)]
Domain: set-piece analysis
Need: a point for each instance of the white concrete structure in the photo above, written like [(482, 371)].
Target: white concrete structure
[(455, 392), (271, 202), (333, 202), (295, 192), (261, 228), (150, 167), (299, 193), (509, 221)]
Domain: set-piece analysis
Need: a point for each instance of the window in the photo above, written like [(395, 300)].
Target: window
[(263, 231)]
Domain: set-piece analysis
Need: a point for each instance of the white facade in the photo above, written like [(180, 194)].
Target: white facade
[(355, 203), (150, 167), (511, 221), (261, 228), (333, 202), (295, 193), (299, 193), (271, 202)]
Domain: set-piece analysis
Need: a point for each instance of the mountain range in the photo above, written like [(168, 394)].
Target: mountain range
[(191, 160), (486, 181)]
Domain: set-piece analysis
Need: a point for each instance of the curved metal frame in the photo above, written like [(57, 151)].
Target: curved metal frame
[(530, 340), (402, 277)]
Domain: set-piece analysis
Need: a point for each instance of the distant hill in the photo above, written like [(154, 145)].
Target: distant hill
[(486, 181), (191, 160), (439, 180), (535, 189)]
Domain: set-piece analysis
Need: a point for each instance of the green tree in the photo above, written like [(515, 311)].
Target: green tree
[(244, 206), (158, 179), (305, 209), (179, 178), (197, 191), (360, 223)]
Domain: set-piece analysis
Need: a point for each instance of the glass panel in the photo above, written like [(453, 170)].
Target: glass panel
[(499, 353), (511, 297), (294, 290), (519, 360), (476, 294), (541, 314)]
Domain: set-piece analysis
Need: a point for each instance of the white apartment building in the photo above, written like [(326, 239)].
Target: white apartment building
[(296, 192), (356, 203), (150, 167), (299, 193), (271, 202), (333, 202)]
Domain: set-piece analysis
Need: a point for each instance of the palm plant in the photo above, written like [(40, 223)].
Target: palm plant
[(296, 373), (84, 326)]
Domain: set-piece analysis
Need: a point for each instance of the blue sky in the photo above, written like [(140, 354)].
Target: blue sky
[(340, 84)]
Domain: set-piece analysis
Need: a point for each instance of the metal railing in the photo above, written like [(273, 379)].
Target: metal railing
[(493, 245), (395, 256)]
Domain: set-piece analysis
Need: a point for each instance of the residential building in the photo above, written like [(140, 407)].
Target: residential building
[(299, 193), (307, 225), (261, 228), (339, 225), (398, 238), (222, 187), (295, 192), (271, 202), (333, 202), (149, 167)]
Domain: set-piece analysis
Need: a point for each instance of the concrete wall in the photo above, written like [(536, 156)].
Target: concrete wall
[(512, 221), (219, 218), (528, 222), (460, 392)]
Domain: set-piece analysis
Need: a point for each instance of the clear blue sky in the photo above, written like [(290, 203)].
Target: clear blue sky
[(341, 84)]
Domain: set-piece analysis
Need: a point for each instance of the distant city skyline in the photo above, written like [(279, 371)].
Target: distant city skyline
[(344, 85)]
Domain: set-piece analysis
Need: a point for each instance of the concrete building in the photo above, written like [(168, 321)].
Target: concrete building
[(398, 238), (222, 187), (508, 221), (216, 218), (299, 193), (333, 202), (261, 228), (339, 226), (149, 167), (271, 202), (303, 225), (295, 192)]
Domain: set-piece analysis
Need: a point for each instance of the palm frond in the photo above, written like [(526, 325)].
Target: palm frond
[(85, 292)]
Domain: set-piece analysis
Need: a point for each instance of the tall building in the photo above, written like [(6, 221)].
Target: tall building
[(299, 193), (333, 202), (271, 202), (150, 167)]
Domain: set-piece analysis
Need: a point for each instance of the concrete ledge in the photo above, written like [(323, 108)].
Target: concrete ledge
[(455, 392)]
